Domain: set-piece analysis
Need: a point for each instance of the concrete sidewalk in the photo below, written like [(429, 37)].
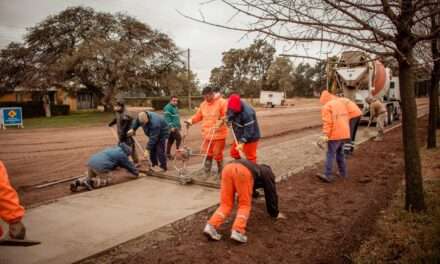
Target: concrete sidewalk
[(81, 225)]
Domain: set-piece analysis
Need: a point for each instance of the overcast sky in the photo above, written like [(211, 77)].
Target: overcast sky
[(206, 42)]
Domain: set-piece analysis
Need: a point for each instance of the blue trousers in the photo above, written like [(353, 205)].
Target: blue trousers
[(335, 149), (157, 154)]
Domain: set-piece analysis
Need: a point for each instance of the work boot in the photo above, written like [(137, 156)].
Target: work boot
[(239, 237), (208, 166), (211, 232), (324, 178)]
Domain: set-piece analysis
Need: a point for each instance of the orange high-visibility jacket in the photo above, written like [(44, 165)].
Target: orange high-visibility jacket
[(335, 122), (353, 110), (10, 209), (209, 113)]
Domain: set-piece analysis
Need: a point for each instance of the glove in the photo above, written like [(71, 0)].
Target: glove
[(188, 122), (219, 123), (146, 154), (17, 230), (141, 174), (239, 147), (323, 138), (130, 133)]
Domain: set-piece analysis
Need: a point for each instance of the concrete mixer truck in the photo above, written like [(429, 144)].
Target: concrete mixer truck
[(356, 75)]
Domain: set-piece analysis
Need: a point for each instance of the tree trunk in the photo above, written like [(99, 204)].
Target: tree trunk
[(414, 197), (433, 106)]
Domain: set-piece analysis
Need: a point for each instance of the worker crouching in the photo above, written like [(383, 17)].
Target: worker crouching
[(336, 132), (245, 127), (242, 177), (378, 112)]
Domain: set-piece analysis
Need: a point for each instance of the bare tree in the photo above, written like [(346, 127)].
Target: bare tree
[(381, 27)]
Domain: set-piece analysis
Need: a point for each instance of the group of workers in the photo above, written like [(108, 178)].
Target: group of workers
[(240, 178)]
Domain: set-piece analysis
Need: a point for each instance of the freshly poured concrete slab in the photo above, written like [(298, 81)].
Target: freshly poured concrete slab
[(78, 226)]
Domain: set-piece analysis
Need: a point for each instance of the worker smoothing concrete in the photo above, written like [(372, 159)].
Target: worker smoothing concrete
[(10, 209), (378, 111), (101, 165), (336, 132), (244, 124), (172, 117), (354, 115), (242, 177), (212, 113), (157, 131), (123, 123)]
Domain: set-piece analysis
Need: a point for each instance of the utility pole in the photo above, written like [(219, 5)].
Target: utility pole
[(189, 80)]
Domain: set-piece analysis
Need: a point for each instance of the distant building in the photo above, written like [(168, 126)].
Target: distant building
[(82, 99)]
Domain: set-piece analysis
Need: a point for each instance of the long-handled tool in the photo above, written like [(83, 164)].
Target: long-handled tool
[(18, 242), (236, 144)]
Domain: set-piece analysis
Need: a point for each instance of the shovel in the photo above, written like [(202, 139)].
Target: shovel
[(18, 242)]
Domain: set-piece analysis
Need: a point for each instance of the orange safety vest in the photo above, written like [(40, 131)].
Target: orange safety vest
[(209, 113), (335, 119)]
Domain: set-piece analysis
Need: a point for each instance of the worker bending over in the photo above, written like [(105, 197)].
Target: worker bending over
[(157, 131), (123, 123), (10, 209), (242, 177), (378, 112), (212, 113), (101, 165), (245, 127), (336, 132)]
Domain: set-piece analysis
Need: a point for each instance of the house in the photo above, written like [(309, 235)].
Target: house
[(82, 99)]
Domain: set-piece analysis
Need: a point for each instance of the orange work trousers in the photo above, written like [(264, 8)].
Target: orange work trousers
[(215, 150), (10, 209), (249, 150), (236, 178)]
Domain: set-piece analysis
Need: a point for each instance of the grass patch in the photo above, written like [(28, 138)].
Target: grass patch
[(405, 237), (75, 119)]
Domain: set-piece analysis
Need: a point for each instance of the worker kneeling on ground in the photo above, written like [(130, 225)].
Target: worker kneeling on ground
[(354, 116), (101, 165), (157, 131), (242, 177), (10, 209), (336, 132), (245, 127), (212, 113), (378, 111)]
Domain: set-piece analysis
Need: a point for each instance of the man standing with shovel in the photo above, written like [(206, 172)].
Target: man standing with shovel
[(245, 129)]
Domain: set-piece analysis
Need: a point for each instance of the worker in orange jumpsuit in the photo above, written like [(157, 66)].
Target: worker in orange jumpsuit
[(211, 113), (10, 209), (354, 116), (336, 132), (242, 177), (245, 127)]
